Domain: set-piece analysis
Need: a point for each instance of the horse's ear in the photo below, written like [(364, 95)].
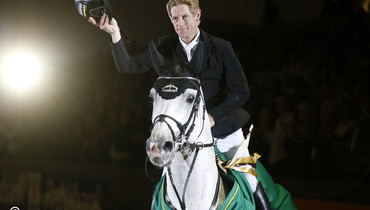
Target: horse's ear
[(157, 59), (196, 62)]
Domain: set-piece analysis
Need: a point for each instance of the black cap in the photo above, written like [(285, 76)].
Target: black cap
[(94, 8)]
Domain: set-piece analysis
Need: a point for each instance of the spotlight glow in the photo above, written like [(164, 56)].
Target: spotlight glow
[(366, 5), (21, 71)]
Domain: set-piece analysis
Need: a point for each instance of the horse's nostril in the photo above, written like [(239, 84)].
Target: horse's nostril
[(168, 146)]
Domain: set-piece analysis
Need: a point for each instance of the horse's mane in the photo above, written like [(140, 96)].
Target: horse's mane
[(178, 68)]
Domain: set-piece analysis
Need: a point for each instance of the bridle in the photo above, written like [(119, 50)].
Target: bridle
[(182, 139)]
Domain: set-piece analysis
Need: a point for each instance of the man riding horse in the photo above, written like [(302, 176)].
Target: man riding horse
[(222, 77)]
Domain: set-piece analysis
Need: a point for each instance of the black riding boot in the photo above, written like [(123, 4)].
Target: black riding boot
[(260, 198)]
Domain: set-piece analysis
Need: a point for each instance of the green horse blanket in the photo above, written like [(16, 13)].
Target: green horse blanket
[(240, 196)]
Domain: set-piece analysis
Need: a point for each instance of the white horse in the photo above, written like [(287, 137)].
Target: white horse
[(181, 141)]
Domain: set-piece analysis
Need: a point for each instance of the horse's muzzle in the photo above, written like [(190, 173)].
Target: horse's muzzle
[(159, 151)]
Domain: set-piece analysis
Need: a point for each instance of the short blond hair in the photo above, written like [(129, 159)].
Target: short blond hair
[(192, 4)]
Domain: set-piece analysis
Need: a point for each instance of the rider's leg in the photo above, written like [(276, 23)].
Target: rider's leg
[(228, 147)]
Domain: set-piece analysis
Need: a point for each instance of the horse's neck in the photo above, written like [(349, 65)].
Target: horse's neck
[(202, 184)]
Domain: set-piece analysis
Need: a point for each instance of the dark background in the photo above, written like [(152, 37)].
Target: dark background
[(85, 128)]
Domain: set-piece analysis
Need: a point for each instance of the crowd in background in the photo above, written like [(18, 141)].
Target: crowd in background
[(309, 102), (311, 110)]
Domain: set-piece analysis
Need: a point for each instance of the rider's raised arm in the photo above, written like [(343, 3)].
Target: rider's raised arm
[(125, 63)]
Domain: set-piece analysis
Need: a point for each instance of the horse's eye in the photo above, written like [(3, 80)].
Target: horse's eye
[(151, 99), (190, 99)]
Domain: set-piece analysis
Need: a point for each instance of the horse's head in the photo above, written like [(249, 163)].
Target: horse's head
[(177, 102)]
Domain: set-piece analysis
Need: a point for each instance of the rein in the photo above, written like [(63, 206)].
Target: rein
[(182, 199), (197, 146)]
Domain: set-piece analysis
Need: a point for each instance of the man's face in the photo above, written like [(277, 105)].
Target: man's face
[(185, 23)]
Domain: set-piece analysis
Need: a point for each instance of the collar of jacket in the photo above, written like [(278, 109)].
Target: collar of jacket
[(205, 38)]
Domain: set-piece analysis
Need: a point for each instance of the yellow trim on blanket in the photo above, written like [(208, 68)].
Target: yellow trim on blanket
[(232, 198), (162, 200)]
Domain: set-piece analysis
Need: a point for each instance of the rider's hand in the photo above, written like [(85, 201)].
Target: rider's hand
[(211, 120), (111, 27)]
